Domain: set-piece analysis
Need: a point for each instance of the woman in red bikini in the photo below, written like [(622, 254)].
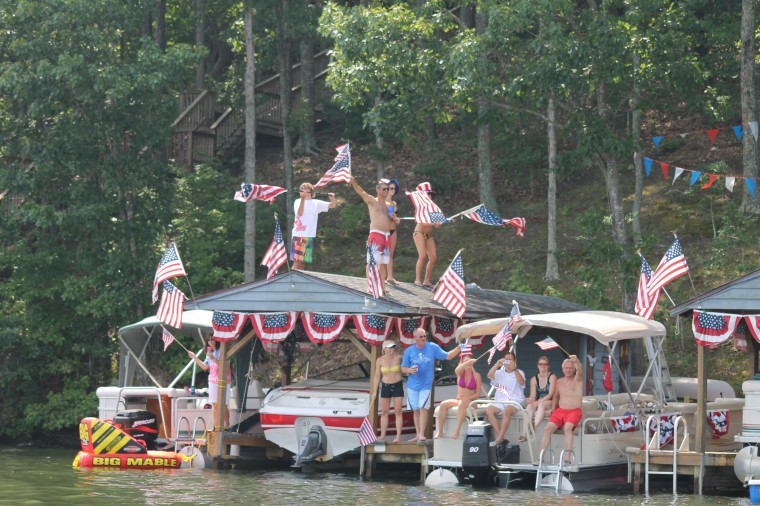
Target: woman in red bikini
[(470, 385)]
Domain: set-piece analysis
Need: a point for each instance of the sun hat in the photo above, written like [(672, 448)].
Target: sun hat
[(389, 344), (425, 187)]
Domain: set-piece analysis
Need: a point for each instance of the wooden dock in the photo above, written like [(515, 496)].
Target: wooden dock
[(404, 452), (704, 468)]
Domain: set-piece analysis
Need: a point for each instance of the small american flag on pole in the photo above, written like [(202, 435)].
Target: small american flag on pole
[(645, 305), (366, 433), (374, 280), (547, 344), (170, 266), (341, 170), (264, 192), (481, 214), (276, 255), (672, 266), (465, 349), (167, 337), (425, 210), (450, 291), (501, 339), (171, 306)]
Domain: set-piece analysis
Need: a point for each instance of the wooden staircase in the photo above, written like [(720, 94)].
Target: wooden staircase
[(206, 129)]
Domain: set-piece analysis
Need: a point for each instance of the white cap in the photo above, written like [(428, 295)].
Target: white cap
[(389, 344)]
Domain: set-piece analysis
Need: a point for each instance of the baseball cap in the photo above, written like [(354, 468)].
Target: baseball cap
[(389, 344)]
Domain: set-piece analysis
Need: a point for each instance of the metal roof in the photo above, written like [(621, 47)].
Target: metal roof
[(334, 293), (737, 296)]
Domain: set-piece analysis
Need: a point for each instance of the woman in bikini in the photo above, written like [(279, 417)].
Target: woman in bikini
[(393, 189), (469, 386), (388, 378), (425, 243), (542, 388)]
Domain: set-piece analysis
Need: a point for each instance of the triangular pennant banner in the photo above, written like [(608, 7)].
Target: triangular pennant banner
[(657, 140), (664, 167), (738, 131), (753, 127), (709, 183), (648, 165), (679, 171), (694, 177), (713, 134), (750, 186), (730, 180)]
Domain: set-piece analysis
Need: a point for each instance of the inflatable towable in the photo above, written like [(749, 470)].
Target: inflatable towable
[(104, 445)]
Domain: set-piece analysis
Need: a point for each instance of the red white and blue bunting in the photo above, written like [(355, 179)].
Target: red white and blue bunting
[(273, 327), (373, 328), (713, 329), (322, 327), (405, 328), (442, 329)]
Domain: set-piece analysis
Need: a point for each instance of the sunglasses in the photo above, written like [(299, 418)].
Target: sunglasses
[(542, 363), (384, 189)]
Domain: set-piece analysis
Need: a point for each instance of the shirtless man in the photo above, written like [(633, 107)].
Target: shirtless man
[(566, 404), (379, 225)]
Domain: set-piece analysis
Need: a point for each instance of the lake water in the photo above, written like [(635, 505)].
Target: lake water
[(45, 476)]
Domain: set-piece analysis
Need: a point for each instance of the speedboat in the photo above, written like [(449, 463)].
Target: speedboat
[(319, 420)]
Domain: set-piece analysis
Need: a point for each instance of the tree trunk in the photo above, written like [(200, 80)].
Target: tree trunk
[(200, 41), (380, 145), (307, 143), (638, 165), (552, 267), (485, 171), (160, 35), (249, 242), (750, 204), (284, 46)]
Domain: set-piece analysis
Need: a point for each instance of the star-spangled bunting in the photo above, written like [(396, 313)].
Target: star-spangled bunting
[(372, 328), (374, 280), (323, 327), (171, 306), (366, 434), (547, 344), (425, 210), (170, 266), (712, 329), (273, 327), (227, 326), (264, 192), (167, 337), (340, 171), (405, 328), (276, 256), (672, 266), (645, 305), (450, 291), (481, 214), (442, 329)]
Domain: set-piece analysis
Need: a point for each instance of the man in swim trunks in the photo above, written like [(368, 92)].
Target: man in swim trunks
[(378, 243), (567, 404), (418, 363), (305, 224)]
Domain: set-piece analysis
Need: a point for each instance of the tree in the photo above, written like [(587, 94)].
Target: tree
[(249, 262), (750, 202)]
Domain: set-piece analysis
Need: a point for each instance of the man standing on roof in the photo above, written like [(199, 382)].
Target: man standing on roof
[(567, 404), (305, 224), (418, 363), (379, 243)]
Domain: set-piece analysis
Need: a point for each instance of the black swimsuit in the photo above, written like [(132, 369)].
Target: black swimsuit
[(542, 392)]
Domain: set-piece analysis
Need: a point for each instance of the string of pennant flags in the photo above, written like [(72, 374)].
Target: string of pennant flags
[(712, 134), (696, 175)]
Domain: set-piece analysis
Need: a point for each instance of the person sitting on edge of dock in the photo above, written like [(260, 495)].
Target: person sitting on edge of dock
[(419, 364), (510, 385), (567, 404)]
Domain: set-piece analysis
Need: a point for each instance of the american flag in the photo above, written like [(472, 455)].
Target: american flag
[(491, 353), (645, 305), (366, 433), (425, 210), (264, 192), (514, 315), (276, 255), (547, 344), (340, 171), (501, 339), (227, 326), (167, 337), (171, 306), (374, 280), (465, 348), (169, 267), (672, 266), (450, 291), (481, 214)]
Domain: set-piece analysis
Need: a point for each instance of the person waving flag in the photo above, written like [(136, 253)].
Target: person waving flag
[(340, 171)]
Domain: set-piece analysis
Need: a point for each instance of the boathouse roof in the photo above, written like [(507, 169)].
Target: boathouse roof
[(738, 296), (334, 293)]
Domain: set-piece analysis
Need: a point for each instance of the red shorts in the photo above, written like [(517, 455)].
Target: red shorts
[(562, 416)]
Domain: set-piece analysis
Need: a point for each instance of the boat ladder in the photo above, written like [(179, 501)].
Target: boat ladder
[(654, 444), (194, 438), (552, 468)]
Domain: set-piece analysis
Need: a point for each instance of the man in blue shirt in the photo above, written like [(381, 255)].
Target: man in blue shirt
[(419, 364)]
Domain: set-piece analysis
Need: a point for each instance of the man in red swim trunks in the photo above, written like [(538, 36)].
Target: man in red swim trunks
[(566, 411)]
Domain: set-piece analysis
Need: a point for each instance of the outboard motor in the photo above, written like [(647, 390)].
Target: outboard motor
[(312, 446), (478, 457)]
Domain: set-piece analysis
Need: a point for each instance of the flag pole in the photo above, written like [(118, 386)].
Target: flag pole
[(463, 212), (175, 340)]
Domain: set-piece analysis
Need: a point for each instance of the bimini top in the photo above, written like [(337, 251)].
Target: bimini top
[(604, 326)]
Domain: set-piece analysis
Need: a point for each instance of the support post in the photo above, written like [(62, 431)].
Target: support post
[(701, 400)]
